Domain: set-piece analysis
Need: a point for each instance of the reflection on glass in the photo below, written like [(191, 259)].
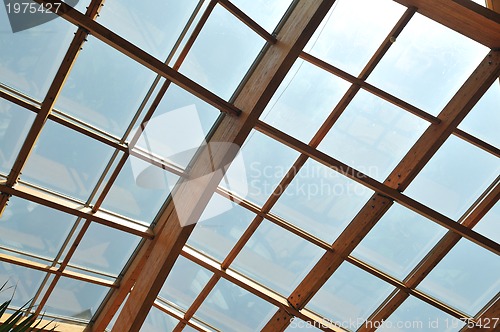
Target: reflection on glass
[(153, 28), (299, 324), (427, 64), (231, 308), (30, 58), (467, 278), (489, 224), (220, 227), (22, 284), (15, 122), (321, 201), (264, 12), (105, 88), (266, 162), (276, 258), (66, 161), (184, 283), (157, 320), (74, 298), (179, 126), (104, 249), (33, 228), (352, 31), (350, 296), (222, 53), (416, 315), (483, 119), (372, 135), (399, 241), (454, 178), (140, 190), (303, 101)]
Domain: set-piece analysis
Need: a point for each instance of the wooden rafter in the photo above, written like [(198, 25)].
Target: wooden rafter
[(155, 259)]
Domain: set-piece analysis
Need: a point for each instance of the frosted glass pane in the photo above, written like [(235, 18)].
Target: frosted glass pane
[(30, 58), (277, 258), (427, 64), (222, 224), (372, 135), (304, 100), (184, 283), (321, 201), (454, 178), (15, 122), (222, 53), (350, 296), (154, 27), (33, 228), (22, 283), (398, 242), (467, 278), (157, 320), (489, 225), (105, 88), (352, 31), (66, 161), (264, 12), (231, 308)]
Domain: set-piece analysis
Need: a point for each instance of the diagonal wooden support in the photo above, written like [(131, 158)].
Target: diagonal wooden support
[(423, 150), (155, 259)]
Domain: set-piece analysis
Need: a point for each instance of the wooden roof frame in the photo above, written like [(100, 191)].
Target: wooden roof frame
[(166, 241)]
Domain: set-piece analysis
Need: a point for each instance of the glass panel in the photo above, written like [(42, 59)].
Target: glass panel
[(66, 161), (416, 315), (372, 135), (74, 298), (33, 228), (277, 258), (266, 162), (80, 6), (104, 249), (222, 53), (299, 324), (157, 320), (153, 28), (484, 118), (15, 122), (454, 178), (105, 88), (140, 190), (178, 127), (30, 58), (427, 64), (352, 32), (350, 296), (399, 241), (231, 308), (264, 12), (467, 278), (184, 283), (321, 201), (222, 224), (304, 100), (489, 224), (22, 283)]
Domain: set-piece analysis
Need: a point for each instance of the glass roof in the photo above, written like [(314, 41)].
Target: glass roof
[(97, 137)]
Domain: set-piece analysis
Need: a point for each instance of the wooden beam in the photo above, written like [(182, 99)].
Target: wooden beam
[(156, 258), (53, 270), (493, 5), (77, 209), (464, 16), (134, 52)]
